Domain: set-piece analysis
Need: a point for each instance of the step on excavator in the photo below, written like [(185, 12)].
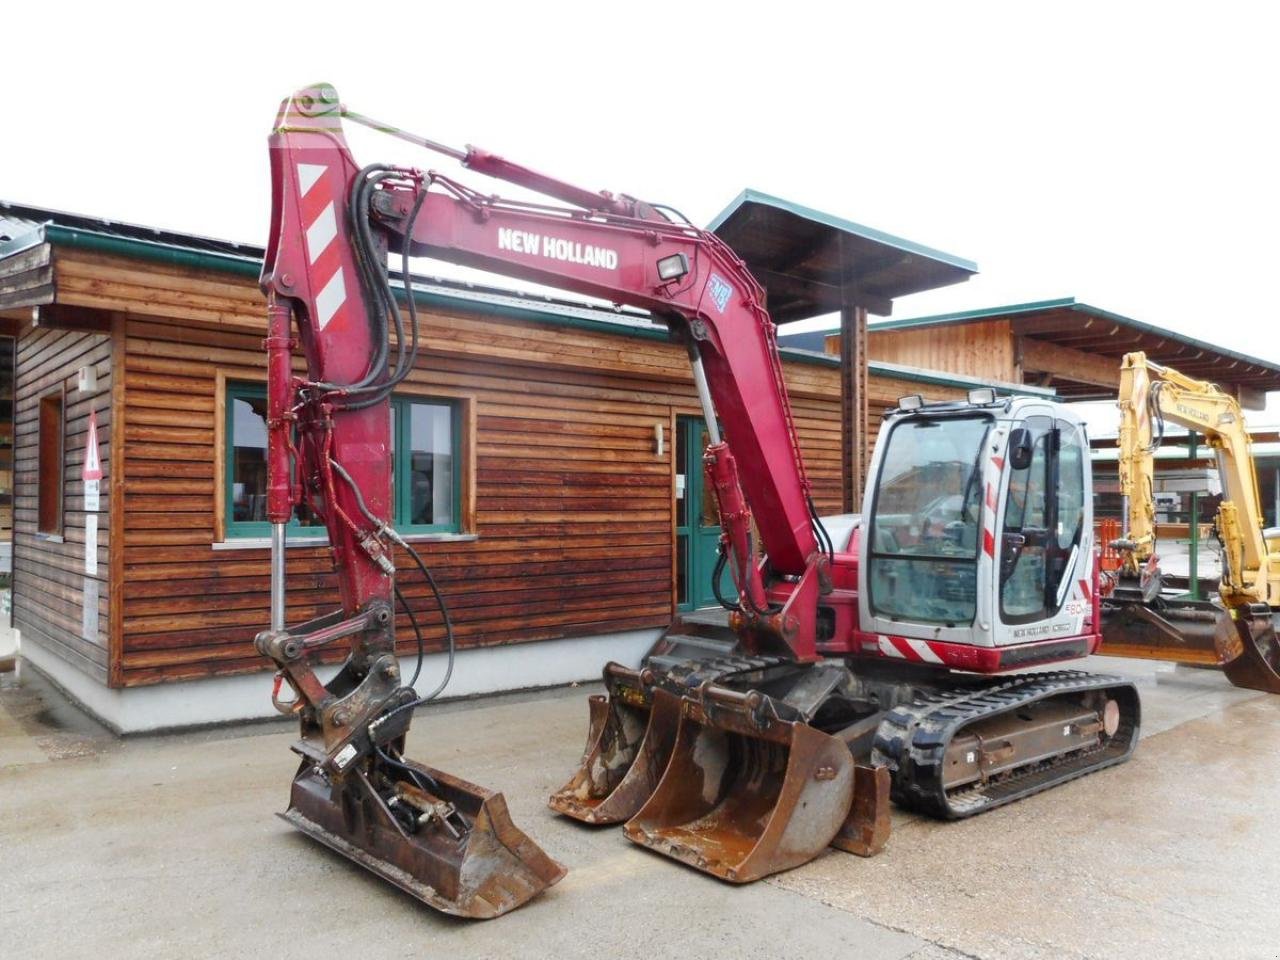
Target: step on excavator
[(1236, 631), (858, 659)]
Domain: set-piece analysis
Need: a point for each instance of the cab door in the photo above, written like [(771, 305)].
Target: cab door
[(1043, 538)]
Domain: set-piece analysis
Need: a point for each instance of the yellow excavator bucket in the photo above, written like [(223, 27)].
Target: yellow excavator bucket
[(1251, 657), (746, 793)]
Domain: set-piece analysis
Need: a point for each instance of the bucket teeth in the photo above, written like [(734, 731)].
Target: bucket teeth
[(439, 838)]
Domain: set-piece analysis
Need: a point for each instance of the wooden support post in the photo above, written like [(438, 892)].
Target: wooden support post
[(853, 405)]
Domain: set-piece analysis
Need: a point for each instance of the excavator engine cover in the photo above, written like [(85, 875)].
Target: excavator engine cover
[(746, 793)]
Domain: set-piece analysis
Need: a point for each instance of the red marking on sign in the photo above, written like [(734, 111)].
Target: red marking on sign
[(92, 463)]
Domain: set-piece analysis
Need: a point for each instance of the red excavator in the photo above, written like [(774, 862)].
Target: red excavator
[(856, 659)]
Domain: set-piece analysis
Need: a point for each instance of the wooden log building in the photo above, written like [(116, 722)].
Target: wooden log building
[(546, 458)]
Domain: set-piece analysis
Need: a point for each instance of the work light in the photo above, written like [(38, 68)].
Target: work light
[(982, 395), (673, 267)]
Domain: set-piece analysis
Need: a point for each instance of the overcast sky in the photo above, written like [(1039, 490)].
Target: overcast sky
[(1124, 154)]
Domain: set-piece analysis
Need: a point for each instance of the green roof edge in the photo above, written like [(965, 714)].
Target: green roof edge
[(967, 316), (152, 250)]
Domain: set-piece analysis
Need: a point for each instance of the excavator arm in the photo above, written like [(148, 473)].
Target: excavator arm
[(616, 249)]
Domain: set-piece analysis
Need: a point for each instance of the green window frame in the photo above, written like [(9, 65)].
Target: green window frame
[(404, 483), (403, 478)]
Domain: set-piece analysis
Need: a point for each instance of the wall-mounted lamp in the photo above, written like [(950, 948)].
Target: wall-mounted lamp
[(658, 446), (87, 380)]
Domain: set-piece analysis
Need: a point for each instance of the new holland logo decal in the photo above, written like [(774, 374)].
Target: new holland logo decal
[(720, 291)]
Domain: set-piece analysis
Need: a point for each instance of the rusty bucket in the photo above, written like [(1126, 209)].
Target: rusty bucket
[(618, 728), (746, 793), (588, 796), (1251, 658), (439, 838)]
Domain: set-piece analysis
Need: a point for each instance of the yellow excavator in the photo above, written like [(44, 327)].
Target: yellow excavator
[(1238, 630)]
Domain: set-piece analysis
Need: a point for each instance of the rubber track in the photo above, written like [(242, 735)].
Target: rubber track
[(912, 741)]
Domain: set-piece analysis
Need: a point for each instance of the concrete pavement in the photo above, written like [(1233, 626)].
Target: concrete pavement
[(164, 846)]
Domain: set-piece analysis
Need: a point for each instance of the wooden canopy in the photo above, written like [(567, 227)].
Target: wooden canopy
[(814, 263)]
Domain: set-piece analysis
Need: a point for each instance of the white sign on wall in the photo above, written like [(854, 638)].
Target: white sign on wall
[(91, 543)]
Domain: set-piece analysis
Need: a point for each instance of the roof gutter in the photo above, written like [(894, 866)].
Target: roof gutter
[(79, 239)]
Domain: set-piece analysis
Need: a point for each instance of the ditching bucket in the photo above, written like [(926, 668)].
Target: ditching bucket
[(441, 839), (628, 746), (746, 793)]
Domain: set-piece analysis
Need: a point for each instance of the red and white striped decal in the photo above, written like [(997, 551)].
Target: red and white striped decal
[(320, 219), (988, 534), (905, 648)]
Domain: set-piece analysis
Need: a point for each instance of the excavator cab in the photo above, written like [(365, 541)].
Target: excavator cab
[(980, 527)]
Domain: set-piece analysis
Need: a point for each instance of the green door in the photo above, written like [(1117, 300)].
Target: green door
[(697, 526)]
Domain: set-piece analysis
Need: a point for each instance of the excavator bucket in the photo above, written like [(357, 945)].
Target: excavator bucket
[(441, 839), (746, 793), (1193, 632), (1252, 658), (1198, 633), (628, 746)]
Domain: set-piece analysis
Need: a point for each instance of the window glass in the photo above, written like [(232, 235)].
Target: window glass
[(710, 512), (926, 521), (424, 452), (430, 452), (1022, 550), (248, 459), (1070, 519), (49, 467), (247, 468)]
